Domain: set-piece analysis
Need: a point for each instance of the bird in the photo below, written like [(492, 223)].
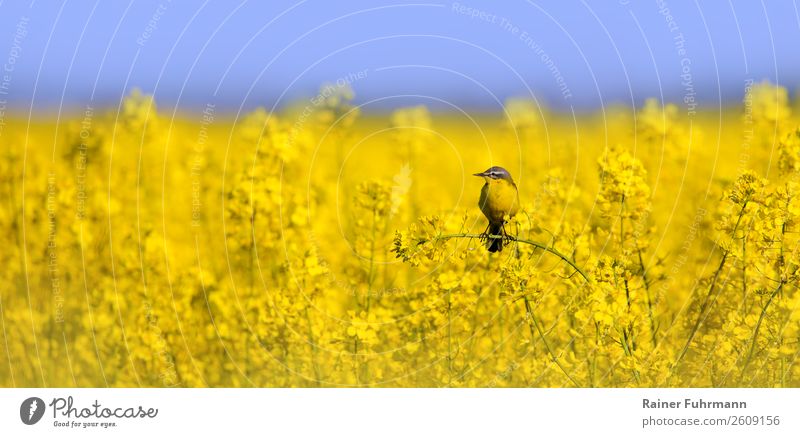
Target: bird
[(499, 198)]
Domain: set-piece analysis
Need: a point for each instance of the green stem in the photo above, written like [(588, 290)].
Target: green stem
[(758, 326), (553, 356), (744, 275), (536, 244), (769, 301), (311, 339), (627, 349), (710, 292), (630, 325), (621, 223), (649, 299), (449, 338)]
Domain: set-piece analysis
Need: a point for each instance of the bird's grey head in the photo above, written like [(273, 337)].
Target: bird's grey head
[(495, 173)]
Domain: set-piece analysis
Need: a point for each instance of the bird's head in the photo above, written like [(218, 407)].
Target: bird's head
[(495, 174)]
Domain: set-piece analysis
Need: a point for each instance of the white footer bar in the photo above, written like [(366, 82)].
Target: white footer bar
[(400, 412)]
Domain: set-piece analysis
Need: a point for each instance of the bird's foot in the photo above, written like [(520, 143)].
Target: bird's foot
[(506, 235), (484, 236)]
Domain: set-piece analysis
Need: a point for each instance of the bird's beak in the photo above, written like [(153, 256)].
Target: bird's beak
[(482, 174)]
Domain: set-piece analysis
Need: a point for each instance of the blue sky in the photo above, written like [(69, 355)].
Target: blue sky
[(474, 54)]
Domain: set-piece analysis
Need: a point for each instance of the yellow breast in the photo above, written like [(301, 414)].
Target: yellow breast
[(498, 198)]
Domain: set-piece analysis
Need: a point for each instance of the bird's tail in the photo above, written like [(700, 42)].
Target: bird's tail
[(495, 244)]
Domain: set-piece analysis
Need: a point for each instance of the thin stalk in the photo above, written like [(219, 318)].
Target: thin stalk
[(630, 325), (744, 275), (553, 356), (766, 306), (536, 244), (357, 366), (621, 223), (313, 342), (473, 335), (710, 292), (758, 327), (649, 299), (594, 353), (627, 349), (449, 338)]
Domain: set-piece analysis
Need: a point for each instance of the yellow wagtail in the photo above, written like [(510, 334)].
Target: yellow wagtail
[(499, 198)]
